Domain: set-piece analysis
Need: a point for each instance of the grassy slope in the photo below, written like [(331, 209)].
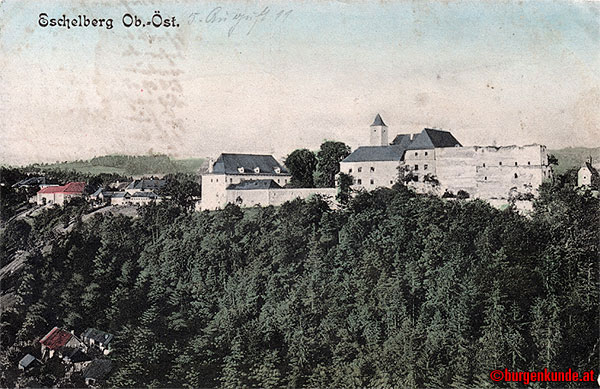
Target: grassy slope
[(190, 165)]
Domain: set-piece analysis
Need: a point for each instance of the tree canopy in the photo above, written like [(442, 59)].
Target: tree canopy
[(394, 290)]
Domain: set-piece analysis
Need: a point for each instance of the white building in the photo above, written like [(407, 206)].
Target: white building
[(250, 180), (434, 161), (232, 169), (587, 174)]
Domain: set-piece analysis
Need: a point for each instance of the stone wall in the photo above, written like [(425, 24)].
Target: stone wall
[(280, 196), (214, 187), (275, 197), (493, 172)]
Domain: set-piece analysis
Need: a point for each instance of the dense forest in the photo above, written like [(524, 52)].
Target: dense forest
[(393, 289)]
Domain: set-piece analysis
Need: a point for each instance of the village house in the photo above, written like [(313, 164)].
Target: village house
[(60, 342), (32, 182), (96, 338), (145, 185), (434, 161), (588, 176), (28, 362), (60, 194), (137, 192)]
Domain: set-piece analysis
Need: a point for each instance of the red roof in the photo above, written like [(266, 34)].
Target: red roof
[(56, 338), (71, 187)]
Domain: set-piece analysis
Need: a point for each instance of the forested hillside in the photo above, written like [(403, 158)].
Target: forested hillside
[(129, 165), (574, 157), (394, 290)]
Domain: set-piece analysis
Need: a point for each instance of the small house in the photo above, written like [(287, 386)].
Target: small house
[(96, 338), (60, 194), (61, 342), (588, 175), (27, 362)]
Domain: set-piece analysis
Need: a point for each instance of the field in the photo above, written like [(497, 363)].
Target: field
[(129, 165)]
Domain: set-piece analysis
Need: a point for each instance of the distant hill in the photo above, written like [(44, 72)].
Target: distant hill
[(159, 164), (573, 157), (129, 165)]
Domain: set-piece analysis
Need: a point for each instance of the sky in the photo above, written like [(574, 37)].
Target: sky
[(270, 77)]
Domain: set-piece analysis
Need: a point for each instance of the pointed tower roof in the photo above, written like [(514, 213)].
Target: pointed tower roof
[(378, 121)]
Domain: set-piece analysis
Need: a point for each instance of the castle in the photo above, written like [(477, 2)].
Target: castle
[(250, 180), (433, 161)]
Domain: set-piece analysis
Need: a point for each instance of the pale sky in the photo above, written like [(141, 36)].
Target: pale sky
[(269, 77)]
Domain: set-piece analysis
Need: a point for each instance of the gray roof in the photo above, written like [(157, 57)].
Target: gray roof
[(230, 164), (254, 184), (97, 369), (431, 139), (378, 121), (98, 336), (591, 168), (26, 360), (31, 181), (146, 184), (403, 139), (118, 194), (98, 192), (150, 195), (376, 153), (427, 139)]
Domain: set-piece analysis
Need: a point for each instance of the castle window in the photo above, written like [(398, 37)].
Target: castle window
[(516, 164), (359, 181), (240, 169), (484, 164), (211, 180), (426, 153), (529, 162), (391, 182), (485, 178), (500, 163), (277, 170), (516, 175), (350, 170), (231, 180), (372, 181), (425, 167), (360, 169), (372, 169), (278, 180), (416, 153), (416, 167), (256, 170), (216, 180)]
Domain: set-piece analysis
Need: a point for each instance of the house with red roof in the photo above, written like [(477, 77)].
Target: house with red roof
[(59, 341), (60, 194)]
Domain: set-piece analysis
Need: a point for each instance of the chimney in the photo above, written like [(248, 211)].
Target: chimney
[(211, 163)]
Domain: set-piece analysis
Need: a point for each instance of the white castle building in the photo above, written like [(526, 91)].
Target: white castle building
[(250, 180), (434, 161)]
